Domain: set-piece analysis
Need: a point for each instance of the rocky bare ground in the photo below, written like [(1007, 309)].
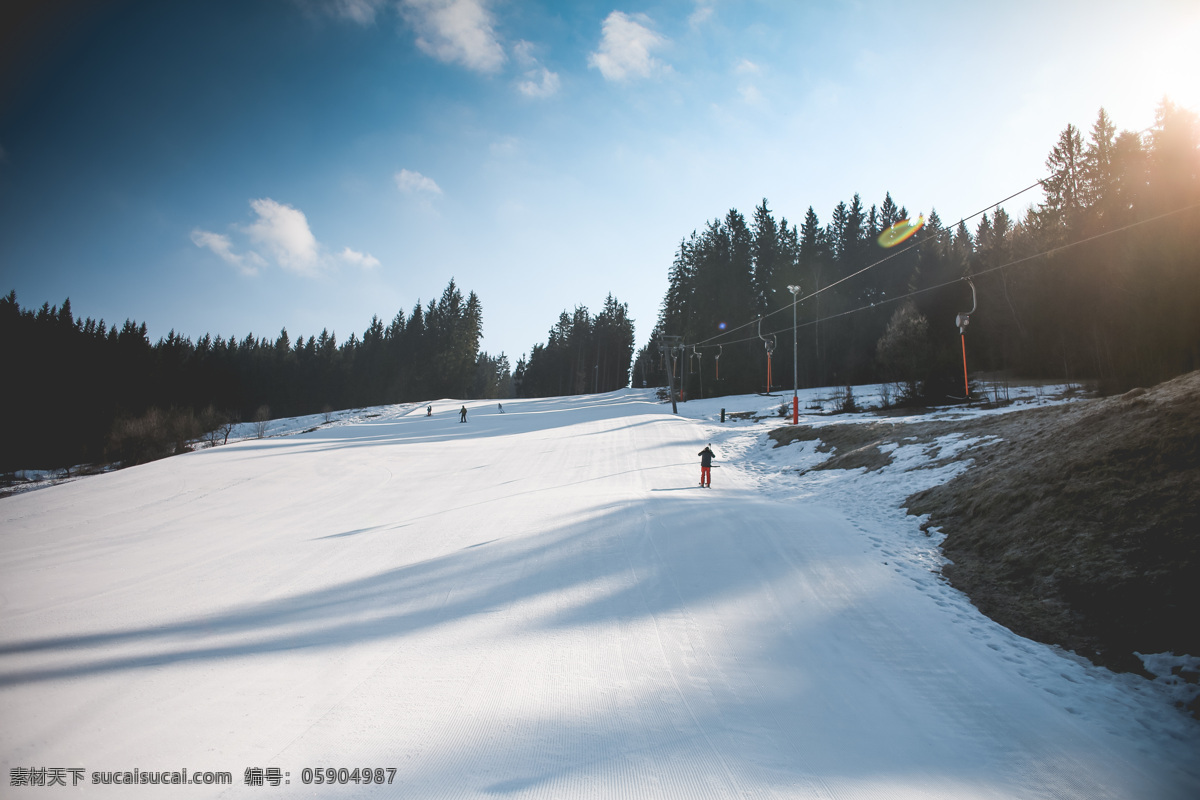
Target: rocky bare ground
[(1076, 525)]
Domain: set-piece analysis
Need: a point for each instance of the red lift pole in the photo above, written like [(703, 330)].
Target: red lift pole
[(795, 290), (962, 320), (769, 344), (966, 384)]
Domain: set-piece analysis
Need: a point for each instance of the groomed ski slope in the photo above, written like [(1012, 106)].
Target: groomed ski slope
[(540, 603)]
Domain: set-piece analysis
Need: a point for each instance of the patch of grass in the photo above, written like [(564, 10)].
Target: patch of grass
[(1081, 528), (1075, 525)]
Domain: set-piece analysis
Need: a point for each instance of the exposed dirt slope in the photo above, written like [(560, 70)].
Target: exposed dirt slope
[(1081, 527)]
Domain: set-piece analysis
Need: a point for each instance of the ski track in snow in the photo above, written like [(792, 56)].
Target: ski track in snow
[(541, 604)]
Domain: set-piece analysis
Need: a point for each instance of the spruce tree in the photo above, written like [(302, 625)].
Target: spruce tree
[(1065, 188), (765, 253), (1099, 177)]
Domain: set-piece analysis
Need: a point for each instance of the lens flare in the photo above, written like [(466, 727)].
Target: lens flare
[(720, 326), (901, 231)]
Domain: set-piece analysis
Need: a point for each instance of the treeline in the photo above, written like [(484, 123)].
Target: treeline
[(74, 385), (583, 354), (1100, 281)]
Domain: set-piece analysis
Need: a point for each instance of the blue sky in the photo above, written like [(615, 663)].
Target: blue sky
[(239, 167)]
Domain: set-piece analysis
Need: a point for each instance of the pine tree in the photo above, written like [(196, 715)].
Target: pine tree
[(1130, 177), (854, 236), (766, 256), (614, 345), (1174, 162), (889, 215), (1099, 175), (1065, 187), (835, 233), (962, 246), (813, 255), (674, 317), (740, 280)]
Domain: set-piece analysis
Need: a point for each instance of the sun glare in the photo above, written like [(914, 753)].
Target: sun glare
[(901, 231), (1161, 63)]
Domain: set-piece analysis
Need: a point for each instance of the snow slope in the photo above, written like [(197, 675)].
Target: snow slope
[(539, 603)]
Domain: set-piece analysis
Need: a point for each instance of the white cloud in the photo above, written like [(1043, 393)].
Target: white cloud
[(750, 94), (538, 81), (523, 52), (283, 231), (360, 11), (247, 263), (453, 31), (410, 182), (704, 10), (280, 235), (364, 260), (456, 31), (505, 147), (625, 47)]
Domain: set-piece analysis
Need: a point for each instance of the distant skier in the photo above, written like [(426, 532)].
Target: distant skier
[(706, 457), (462, 415), (429, 411), (501, 407)]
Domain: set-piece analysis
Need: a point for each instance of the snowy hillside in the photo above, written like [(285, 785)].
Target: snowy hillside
[(539, 603)]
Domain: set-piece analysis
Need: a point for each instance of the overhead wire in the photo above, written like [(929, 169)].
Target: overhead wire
[(946, 230), (987, 271), (888, 257)]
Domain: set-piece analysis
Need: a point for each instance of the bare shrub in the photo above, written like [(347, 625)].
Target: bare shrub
[(843, 401), (227, 427), (182, 429), (217, 425), (885, 395), (155, 434), (261, 417), (210, 423)]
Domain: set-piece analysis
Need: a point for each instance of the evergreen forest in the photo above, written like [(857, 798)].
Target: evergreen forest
[(81, 384), (1099, 282), (582, 354)]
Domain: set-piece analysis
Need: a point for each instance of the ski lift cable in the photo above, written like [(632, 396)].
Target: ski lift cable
[(946, 230), (987, 271), (917, 244), (1091, 238)]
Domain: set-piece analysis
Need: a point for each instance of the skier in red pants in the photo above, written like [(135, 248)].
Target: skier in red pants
[(706, 457)]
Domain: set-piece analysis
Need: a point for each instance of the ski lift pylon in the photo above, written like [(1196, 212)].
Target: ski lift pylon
[(962, 321), (769, 344)]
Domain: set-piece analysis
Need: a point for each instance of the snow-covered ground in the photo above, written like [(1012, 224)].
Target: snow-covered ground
[(540, 603)]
